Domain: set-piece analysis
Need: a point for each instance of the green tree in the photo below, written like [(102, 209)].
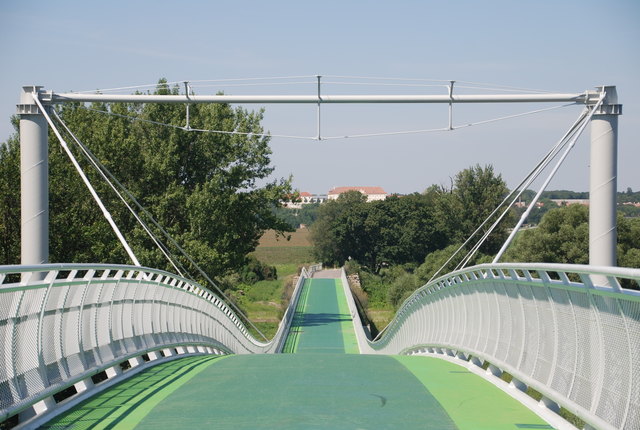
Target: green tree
[(561, 237), (478, 191), (434, 261), (398, 230), (401, 288), (201, 187), (325, 235), (306, 215), (409, 231), (10, 199), (628, 241), (352, 232)]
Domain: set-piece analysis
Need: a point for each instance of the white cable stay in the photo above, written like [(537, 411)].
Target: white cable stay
[(546, 183), (568, 143), (252, 84), (522, 186), (104, 210), (385, 84), (101, 170), (109, 177)]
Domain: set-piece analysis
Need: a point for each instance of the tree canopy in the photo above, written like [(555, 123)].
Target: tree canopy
[(210, 191), (563, 237), (405, 229)]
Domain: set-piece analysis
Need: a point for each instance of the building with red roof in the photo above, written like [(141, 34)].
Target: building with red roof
[(372, 193), (304, 198)]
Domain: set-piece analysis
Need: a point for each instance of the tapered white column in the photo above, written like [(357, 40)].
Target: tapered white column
[(603, 181), (34, 180)]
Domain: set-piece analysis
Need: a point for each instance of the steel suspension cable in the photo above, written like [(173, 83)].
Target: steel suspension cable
[(544, 185), (101, 90), (104, 210), (441, 129), (567, 139), (169, 237), (532, 175), (199, 130), (101, 170)]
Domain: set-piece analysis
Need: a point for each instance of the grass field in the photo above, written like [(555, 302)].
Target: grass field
[(276, 250), (263, 301), (298, 238), (381, 315), (274, 255)]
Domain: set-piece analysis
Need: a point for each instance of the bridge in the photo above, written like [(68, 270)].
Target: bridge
[(492, 346), (147, 348)]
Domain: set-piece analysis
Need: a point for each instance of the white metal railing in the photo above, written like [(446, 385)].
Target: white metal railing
[(62, 324), (285, 323), (570, 332)]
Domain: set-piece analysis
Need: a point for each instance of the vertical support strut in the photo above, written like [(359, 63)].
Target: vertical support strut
[(34, 179), (451, 105), (319, 101), (186, 92), (603, 180)]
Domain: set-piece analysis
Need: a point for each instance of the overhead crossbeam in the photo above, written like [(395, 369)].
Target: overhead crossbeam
[(581, 98)]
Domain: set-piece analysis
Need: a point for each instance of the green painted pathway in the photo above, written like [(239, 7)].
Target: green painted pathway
[(322, 322), (318, 387)]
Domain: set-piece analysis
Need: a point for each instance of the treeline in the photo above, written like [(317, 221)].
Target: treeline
[(308, 213), (563, 237), (622, 196), (629, 196), (403, 230), (295, 217), (399, 244)]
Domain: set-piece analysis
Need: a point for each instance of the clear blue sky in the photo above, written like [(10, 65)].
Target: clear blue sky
[(564, 46)]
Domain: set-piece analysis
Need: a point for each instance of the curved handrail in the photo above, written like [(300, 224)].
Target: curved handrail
[(62, 324), (571, 332)]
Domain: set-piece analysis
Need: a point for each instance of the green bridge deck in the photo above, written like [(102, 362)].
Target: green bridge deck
[(322, 322), (317, 387)]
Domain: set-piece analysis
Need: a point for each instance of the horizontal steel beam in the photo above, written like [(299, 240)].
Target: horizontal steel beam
[(587, 98)]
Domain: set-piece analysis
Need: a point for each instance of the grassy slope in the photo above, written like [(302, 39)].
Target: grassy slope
[(262, 301)]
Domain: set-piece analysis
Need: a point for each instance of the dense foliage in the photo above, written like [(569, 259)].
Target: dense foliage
[(563, 237), (306, 215), (10, 200), (404, 230), (201, 187)]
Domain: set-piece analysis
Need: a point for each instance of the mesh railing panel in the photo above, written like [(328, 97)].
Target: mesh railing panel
[(577, 343), (82, 319)]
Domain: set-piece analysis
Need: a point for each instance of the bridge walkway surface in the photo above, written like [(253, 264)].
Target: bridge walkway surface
[(322, 383)]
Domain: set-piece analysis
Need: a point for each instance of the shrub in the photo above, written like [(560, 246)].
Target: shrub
[(255, 271), (401, 288)]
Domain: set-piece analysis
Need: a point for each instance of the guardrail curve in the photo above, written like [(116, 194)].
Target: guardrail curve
[(571, 332), (61, 325)]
